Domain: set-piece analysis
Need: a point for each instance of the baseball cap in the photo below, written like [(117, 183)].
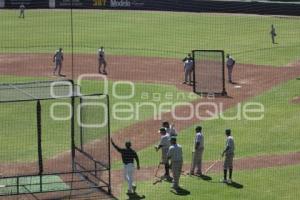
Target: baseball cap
[(198, 128), (162, 129), (228, 131), (128, 143)]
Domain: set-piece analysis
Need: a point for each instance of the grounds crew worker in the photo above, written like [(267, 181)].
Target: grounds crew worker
[(175, 155), (128, 156), (198, 153), (229, 154), (164, 145)]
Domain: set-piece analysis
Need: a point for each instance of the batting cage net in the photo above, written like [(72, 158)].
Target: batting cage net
[(209, 76), (64, 147)]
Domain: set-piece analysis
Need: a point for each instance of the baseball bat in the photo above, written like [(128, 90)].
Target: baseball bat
[(211, 166)]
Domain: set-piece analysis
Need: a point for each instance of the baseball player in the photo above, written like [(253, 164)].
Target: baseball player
[(164, 145), (230, 64), (171, 131), (58, 59), (22, 11), (273, 34), (128, 156), (189, 57), (101, 61), (188, 69), (198, 152), (229, 154), (175, 155)]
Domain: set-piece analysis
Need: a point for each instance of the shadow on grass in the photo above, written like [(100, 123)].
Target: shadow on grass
[(205, 177), (298, 79), (181, 192), (135, 196), (235, 185)]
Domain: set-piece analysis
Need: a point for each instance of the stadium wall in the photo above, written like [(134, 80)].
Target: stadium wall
[(265, 8), (27, 3)]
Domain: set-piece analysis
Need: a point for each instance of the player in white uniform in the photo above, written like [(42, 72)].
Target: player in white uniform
[(101, 61), (175, 155), (229, 154), (170, 129), (58, 59), (198, 153), (230, 64), (164, 145), (22, 11), (188, 65)]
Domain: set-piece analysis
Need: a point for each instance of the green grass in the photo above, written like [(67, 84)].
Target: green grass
[(276, 133), (18, 120), (163, 34), (31, 184), (262, 184)]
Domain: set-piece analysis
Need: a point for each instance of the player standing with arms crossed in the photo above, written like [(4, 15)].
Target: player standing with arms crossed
[(175, 155), (198, 153), (164, 145), (58, 59), (229, 154), (101, 61)]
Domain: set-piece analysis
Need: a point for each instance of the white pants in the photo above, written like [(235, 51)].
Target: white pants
[(128, 174)]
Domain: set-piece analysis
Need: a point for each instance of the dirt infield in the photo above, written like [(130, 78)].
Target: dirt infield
[(250, 81)]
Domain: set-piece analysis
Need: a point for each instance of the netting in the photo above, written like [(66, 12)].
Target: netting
[(92, 139), (19, 155), (38, 150), (145, 42), (39, 90), (209, 72)]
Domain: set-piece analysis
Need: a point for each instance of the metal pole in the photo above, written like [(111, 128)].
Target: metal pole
[(39, 137), (109, 156), (39, 142)]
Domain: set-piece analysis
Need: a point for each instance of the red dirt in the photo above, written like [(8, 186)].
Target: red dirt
[(295, 100), (253, 80)]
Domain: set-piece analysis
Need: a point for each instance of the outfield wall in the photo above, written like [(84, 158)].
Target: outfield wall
[(268, 8), (27, 3), (2, 3)]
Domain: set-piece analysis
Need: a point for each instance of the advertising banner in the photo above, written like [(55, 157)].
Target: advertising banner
[(81, 3), (27, 3)]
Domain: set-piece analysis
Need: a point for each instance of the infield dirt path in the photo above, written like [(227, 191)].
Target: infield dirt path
[(251, 81)]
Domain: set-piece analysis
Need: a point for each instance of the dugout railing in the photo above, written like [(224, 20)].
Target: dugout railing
[(58, 156)]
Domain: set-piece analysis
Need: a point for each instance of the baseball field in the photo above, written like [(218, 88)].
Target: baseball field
[(144, 52)]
